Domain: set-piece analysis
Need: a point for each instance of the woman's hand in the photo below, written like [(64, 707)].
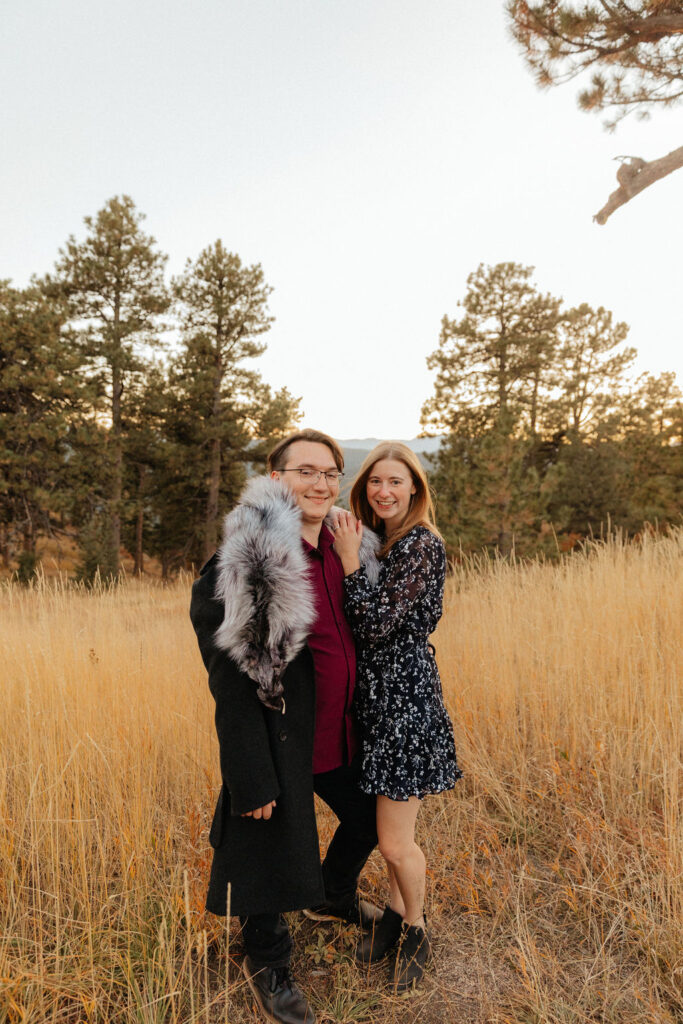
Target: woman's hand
[(260, 812), (348, 533)]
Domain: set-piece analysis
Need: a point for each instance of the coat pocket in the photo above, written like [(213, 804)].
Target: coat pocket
[(216, 831)]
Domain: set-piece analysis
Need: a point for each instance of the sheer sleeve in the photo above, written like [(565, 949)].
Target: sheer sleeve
[(376, 613)]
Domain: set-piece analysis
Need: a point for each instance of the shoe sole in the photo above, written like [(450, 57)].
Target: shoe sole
[(315, 915), (318, 915)]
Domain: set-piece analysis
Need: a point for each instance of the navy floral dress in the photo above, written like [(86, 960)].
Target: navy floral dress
[(408, 747)]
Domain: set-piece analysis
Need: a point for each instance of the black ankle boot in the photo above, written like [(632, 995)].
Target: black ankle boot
[(413, 952), (278, 998), (380, 939)]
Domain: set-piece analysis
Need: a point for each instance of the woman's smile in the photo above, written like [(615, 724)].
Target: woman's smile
[(389, 491)]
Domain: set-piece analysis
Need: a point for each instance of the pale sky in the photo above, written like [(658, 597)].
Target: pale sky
[(368, 154)]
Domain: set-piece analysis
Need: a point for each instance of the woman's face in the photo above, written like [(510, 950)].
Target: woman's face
[(389, 489)]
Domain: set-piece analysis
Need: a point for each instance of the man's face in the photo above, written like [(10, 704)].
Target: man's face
[(315, 499)]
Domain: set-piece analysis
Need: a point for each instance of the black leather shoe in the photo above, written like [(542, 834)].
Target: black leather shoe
[(359, 912), (380, 939), (413, 952), (278, 998)]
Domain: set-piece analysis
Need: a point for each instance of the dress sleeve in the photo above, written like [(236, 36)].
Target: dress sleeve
[(376, 613)]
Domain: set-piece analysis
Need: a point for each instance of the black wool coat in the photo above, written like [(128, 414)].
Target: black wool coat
[(271, 866)]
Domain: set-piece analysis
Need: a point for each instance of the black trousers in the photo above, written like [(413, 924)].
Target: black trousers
[(266, 937)]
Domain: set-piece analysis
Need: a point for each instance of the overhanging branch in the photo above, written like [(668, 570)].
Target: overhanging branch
[(636, 175)]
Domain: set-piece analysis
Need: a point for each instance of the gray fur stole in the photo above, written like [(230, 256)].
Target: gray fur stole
[(264, 587)]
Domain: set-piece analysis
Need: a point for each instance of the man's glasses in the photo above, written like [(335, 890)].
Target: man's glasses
[(311, 476)]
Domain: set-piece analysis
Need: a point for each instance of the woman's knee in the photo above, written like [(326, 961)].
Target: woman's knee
[(394, 850)]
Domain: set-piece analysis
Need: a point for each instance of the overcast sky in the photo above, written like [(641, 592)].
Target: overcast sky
[(368, 153)]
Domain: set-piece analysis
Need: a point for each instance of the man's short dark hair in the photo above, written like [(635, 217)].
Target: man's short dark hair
[(277, 458)]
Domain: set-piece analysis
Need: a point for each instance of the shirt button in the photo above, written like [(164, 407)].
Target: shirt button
[(282, 735)]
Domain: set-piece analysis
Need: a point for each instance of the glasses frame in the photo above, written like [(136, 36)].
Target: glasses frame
[(332, 476)]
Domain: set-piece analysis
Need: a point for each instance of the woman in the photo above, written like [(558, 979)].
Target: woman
[(408, 748)]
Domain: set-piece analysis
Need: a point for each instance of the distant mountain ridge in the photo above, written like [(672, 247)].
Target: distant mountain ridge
[(429, 445)]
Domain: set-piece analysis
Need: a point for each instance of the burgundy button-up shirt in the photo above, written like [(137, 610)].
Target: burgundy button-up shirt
[(334, 659)]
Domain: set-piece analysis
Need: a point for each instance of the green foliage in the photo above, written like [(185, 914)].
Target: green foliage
[(96, 563), (179, 486), (589, 370), (544, 437), (651, 423), (112, 284), (28, 564), (44, 404), (591, 487), (493, 361), (95, 435), (489, 493), (220, 406), (145, 446)]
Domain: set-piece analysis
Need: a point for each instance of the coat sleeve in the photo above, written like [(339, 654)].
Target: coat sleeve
[(247, 767), (376, 613)]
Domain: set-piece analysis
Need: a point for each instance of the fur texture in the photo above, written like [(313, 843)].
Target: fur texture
[(264, 587), (369, 547)]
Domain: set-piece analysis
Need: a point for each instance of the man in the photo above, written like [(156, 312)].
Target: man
[(268, 614)]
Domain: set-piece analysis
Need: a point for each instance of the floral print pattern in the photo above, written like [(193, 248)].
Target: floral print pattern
[(408, 747)]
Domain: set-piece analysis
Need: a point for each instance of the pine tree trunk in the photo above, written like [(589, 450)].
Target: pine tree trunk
[(139, 566), (212, 502), (210, 533), (504, 527), (533, 416), (117, 445), (504, 541), (28, 534), (4, 545), (504, 524), (117, 475)]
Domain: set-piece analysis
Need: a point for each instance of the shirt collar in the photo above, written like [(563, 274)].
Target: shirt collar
[(325, 541)]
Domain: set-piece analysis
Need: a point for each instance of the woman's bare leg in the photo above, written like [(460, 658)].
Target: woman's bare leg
[(396, 833), (395, 899)]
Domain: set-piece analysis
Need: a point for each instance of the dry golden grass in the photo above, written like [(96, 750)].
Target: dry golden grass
[(555, 868)]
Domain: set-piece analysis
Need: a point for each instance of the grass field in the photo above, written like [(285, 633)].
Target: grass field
[(555, 889)]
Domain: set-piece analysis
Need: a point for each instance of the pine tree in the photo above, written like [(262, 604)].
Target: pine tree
[(44, 405), (145, 459), (493, 361), (114, 286), (591, 368), (494, 367), (223, 311), (651, 425), (178, 486)]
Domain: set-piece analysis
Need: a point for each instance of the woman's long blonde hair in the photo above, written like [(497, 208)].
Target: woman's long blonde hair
[(421, 509)]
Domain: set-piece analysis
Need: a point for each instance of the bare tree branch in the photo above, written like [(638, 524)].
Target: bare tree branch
[(636, 175), (652, 27)]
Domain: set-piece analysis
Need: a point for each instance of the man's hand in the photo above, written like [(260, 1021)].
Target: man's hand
[(260, 812), (348, 533)]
